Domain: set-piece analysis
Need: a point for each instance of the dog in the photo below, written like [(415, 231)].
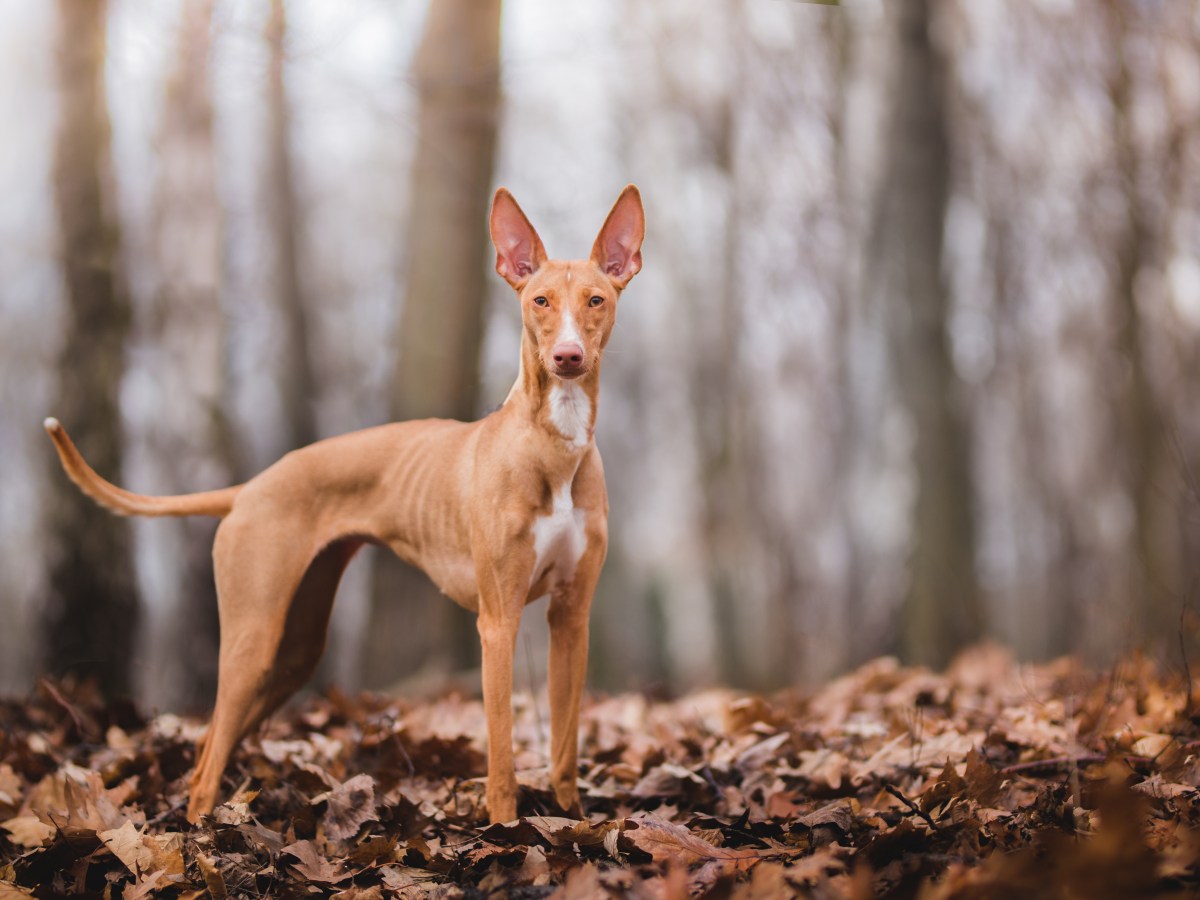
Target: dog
[(498, 512)]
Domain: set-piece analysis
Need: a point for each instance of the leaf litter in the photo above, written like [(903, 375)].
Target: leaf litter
[(988, 780)]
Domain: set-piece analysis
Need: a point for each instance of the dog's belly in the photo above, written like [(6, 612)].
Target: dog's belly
[(454, 575)]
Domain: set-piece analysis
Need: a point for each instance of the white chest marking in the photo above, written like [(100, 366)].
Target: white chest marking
[(558, 538), (571, 413)]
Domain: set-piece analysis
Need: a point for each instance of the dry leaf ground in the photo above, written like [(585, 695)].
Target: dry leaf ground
[(990, 780)]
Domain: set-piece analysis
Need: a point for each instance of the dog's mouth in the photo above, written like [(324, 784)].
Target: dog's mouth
[(568, 373)]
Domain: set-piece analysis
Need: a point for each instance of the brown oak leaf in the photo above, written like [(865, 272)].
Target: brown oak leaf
[(312, 865), (666, 841)]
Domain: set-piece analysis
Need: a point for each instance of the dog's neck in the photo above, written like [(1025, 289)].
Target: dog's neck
[(564, 409)]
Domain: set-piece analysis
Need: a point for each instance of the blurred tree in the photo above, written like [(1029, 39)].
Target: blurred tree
[(904, 264), (1043, 501), (457, 76), (1179, 34), (1139, 424), (186, 333), (717, 384), (297, 385), (861, 379), (91, 612), (1009, 402)]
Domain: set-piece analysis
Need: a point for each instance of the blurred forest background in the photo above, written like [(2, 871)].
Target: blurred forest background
[(912, 360)]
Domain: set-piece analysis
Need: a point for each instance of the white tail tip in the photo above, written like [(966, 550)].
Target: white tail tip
[(50, 423)]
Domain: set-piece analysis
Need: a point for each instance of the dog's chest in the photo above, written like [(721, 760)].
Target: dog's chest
[(559, 539), (571, 414)]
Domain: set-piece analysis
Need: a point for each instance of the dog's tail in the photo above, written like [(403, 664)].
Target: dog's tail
[(126, 503)]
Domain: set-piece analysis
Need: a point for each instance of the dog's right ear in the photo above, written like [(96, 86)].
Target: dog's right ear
[(519, 250)]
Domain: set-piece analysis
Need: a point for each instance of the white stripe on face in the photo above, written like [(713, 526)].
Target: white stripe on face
[(568, 330)]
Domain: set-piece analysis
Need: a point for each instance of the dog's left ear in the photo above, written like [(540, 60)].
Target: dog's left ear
[(618, 247)]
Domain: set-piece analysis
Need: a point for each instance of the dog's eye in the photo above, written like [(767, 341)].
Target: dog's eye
[(540, 301), (596, 301)]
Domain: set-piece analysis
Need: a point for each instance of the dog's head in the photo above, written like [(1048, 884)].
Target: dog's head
[(569, 306)]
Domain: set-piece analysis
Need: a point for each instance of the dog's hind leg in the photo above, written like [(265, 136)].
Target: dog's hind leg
[(274, 599)]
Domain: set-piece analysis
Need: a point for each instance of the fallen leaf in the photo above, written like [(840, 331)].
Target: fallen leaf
[(125, 843), (312, 865), (664, 780), (28, 831), (213, 879), (1152, 745), (827, 768), (534, 870), (396, 878), (582, 883), (840, 815), (145, 886), (666, 841), (11, 787), (357, 893), (767, 882), (348, 806)]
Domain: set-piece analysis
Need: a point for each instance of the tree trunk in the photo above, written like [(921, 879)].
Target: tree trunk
[(297, 385), (863, 384), (457, 75), (941, 611), (91, 609), (718, 400), (185, 331), (1159, 591)]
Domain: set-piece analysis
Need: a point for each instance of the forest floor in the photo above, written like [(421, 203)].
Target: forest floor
[(990, 780)]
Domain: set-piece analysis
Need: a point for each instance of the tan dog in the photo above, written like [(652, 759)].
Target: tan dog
[(498, 512)]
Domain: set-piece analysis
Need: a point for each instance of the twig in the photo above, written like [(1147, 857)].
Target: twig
[(1051, 765), (80, 725), (916, 810), (412, 770), (166, 813)]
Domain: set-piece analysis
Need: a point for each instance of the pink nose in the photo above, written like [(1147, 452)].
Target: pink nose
[(568, 355)]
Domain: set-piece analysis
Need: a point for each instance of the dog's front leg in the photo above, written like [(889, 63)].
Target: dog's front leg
[(501, 599), (568, 614)]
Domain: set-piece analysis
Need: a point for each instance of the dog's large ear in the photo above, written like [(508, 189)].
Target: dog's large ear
[(618, 247), (519, 250)]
